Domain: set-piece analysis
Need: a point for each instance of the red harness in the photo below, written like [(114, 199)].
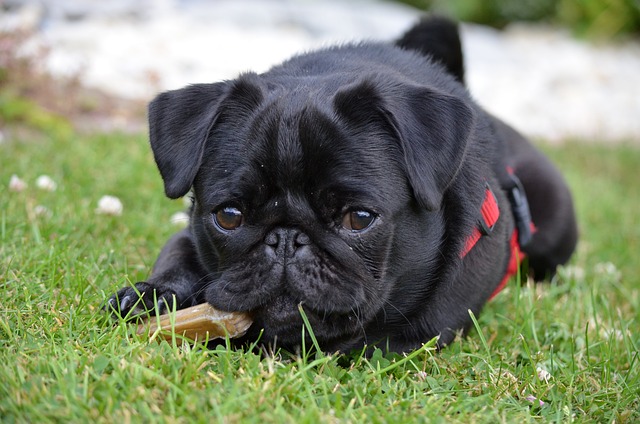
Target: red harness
[(489, 216)]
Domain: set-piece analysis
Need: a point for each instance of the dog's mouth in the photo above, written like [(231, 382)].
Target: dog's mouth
[(332, 297), (281, 312), (282, 320), (284, 313)]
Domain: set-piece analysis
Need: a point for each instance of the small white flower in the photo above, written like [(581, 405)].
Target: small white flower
[(186, 200), (421, 375), (16, 184), (572, 272), (534, 399), (109, 205), (608, 269), (179, 219), (45, 182), (42, 211), (509, 376), (543, 375), (613, 334)]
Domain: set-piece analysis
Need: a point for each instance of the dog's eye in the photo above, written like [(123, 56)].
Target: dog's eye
[(228, 218), (357, 220)]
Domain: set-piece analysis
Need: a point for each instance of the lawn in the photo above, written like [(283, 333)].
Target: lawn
[(563, 351)]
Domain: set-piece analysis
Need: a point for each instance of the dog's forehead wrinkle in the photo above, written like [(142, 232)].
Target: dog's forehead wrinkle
[(295, 144), (289, 154)]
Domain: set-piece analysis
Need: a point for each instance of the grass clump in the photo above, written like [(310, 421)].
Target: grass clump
[(562, 351)]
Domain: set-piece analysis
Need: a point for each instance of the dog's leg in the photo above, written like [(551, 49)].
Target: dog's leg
[(177, 277), (550, 203)]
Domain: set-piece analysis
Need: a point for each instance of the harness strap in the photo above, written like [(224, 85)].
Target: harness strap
[(489, 215), (515, 259)]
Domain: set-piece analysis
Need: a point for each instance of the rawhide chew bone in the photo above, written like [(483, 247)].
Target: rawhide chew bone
[(201, 322)]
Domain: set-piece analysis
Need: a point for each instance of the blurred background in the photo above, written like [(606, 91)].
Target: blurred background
[(585, 18), (557, 70)]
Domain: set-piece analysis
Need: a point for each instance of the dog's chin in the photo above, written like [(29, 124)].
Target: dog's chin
[(281, 323)]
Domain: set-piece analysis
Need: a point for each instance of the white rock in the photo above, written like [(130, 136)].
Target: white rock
[(541, 80), (25, 18), (549, 85), (45, 182), (109, 205)]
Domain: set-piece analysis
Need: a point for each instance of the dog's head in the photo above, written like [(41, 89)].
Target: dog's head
[(319, 192)]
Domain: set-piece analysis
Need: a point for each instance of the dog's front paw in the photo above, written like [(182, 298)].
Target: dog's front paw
[(143, 299)]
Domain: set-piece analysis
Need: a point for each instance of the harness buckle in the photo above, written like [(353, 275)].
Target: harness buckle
[(521, 211)]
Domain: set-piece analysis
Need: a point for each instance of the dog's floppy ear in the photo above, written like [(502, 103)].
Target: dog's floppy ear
[(432, 127), (180, 122)]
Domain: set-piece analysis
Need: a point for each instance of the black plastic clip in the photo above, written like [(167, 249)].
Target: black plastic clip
[(521, 212)]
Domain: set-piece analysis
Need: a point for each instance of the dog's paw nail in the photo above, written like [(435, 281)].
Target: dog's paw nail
[(162, 306), (111, 305), (125, 303)]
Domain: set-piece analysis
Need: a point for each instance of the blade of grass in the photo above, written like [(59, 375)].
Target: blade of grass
[(430, 346), (307, 325), (483, 340)]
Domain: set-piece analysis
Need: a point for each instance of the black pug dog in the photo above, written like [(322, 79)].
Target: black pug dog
[(361, 182)]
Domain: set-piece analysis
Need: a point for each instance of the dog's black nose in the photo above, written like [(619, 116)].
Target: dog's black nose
[(286, 241)]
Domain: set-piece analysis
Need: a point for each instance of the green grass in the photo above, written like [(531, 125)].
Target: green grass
[(63, 361)]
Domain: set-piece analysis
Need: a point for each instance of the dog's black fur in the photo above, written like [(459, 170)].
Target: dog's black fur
[(346, 180)]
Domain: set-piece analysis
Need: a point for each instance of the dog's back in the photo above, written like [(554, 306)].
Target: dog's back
[(552, 211)]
